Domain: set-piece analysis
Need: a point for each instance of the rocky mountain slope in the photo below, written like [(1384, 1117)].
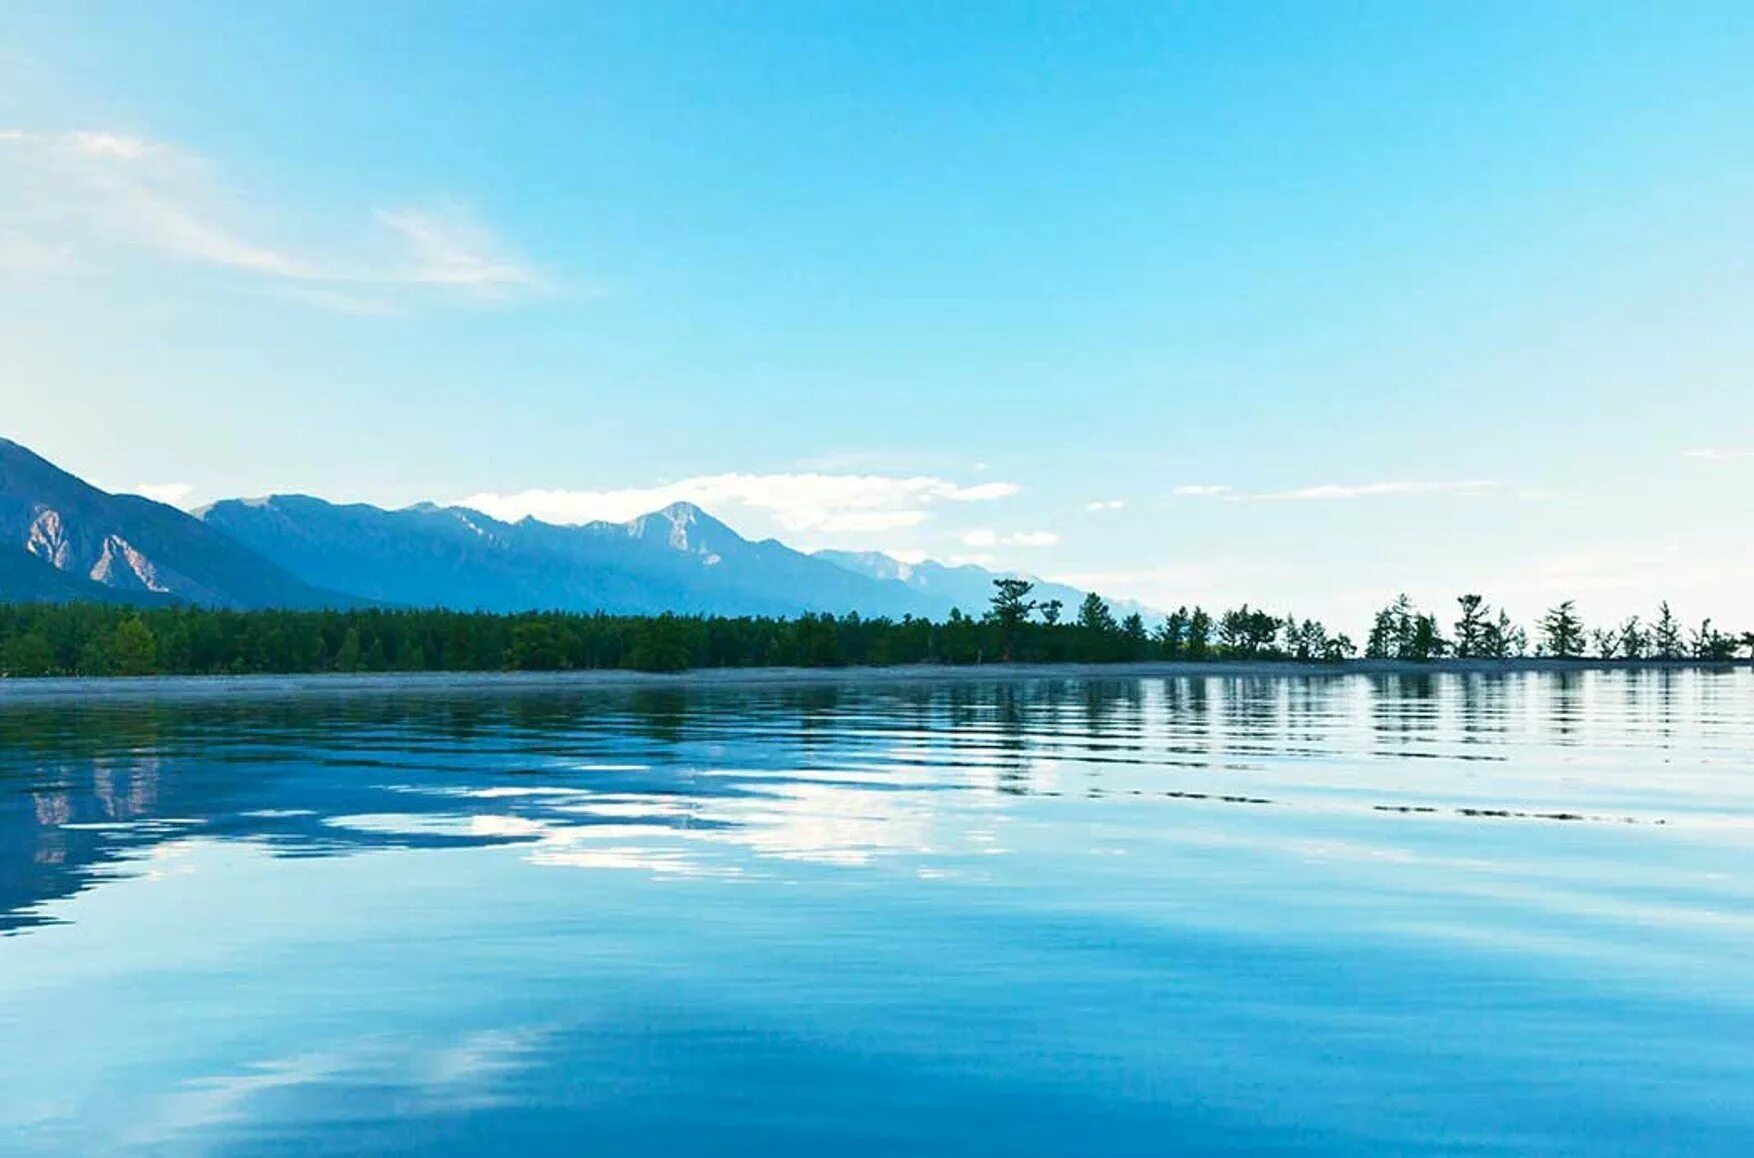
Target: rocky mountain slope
[(126, 545)]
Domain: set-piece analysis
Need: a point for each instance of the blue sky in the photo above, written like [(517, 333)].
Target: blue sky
[(1300, 304)]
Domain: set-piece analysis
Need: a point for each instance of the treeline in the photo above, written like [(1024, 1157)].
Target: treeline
[(102, 640), (1402, 631)]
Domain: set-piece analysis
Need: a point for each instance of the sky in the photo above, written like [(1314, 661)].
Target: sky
[(1299, 304)]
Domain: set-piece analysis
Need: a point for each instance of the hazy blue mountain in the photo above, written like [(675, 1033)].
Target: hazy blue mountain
[(126, 545), (63, 539), (678, 559), (24, 578), (966, 586)]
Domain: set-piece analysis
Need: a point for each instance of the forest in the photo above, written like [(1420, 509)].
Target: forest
[(83, 639)]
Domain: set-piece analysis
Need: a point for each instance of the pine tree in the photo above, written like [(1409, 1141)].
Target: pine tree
[(1010, 611), (1562, 632), (1471, 628), (1665, 636)]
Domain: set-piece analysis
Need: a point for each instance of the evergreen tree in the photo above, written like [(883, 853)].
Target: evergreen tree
[(1098, 631), (1665, 634), (1172, 636), (1633, 639), (1424, 641), (1094, 615), (1711, 644), (1391, 632), (1338, 648), (1010, 611), (1137, 641), (1472, 627), (1562, 632), (1198, 641)]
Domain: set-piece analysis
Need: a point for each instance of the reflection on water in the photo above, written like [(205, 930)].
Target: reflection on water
[(1113, 916)]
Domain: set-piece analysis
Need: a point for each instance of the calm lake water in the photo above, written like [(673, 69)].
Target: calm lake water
[(1314, 915)]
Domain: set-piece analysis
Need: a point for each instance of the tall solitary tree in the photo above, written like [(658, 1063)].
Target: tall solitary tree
[(1010, 611), (1665, 634)]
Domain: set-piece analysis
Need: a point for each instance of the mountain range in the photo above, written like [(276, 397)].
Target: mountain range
[(62, 539)]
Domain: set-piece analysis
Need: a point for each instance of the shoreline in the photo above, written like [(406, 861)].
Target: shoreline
[(112, 688)]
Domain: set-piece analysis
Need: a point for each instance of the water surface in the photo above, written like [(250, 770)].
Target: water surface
[(1312, 915)]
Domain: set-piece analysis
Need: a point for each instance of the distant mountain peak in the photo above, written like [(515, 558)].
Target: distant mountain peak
[(128, 545), (684, 527)]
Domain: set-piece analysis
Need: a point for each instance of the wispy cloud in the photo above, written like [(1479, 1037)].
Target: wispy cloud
[(1105, 505), (1719, 453), (1327, 491), (85, 199), (1324, 492), (987, 537), (831, 503)]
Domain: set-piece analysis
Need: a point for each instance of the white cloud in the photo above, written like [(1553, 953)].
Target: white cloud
[(1331, 491), (1720, 453), (104, 195), (987, 537), (869, 521), (174, 494), (1105, 505), (1371, 490), (100, 144), (832, 503)]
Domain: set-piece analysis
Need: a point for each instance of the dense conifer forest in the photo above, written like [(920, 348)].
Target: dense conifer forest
[(83, 639)]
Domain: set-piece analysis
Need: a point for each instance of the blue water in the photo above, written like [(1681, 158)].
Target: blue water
[(1328, 915)]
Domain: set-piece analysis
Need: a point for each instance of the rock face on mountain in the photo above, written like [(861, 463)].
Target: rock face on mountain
[(24, 578), (678, 559), (126, 545)]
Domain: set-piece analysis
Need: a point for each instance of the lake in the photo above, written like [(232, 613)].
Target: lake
[(1335, 914)]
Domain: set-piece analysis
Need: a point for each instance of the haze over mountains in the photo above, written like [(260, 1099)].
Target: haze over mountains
[(62, 539)]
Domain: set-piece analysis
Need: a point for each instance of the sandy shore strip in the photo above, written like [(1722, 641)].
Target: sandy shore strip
[(451, 683)]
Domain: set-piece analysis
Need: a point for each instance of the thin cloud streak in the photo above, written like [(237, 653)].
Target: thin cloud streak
[(987, 537), (104, 194), (1326, 492)]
